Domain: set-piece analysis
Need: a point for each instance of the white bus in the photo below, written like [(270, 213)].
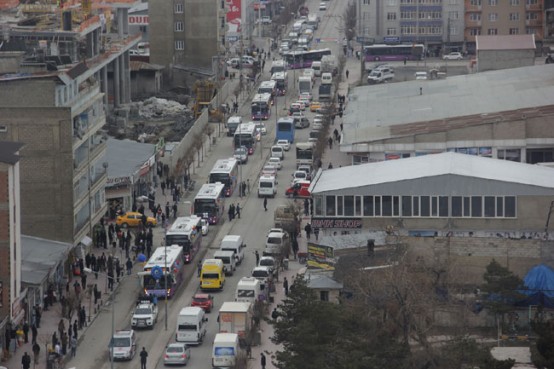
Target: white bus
[(187, 233), (268, 87), (245, 135), (169, 261), (209, 202), (225, 171), (281, 80), (261, 106), (278, 66)]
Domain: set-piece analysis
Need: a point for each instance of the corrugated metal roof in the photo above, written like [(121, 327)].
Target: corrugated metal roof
[(505, 42), (125, 157), (39, 257), (431, 166)]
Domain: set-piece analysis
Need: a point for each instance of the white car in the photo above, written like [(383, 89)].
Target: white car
[(275, 162), (305, 101), (420, 75), (205, 226), (301, 104), (260, 126), (299, 174), (305, 96), (284, 144), (322, 6), (317, 124), (453, 56), (270, 170)]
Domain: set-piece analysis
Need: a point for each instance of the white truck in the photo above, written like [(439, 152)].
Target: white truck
[(225, 350), (236, 317), (191, 325), (380, 75), (145, 315), (248, 290), (304, 84)]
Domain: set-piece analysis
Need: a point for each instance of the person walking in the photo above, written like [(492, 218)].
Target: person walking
[(308, 229), (237, 210), (316, 233), (347, 74), (257, 257), (36, 351), (330, 140), (34, 333), (199, 268), (143, 357), (262, 360), (73, 345), (286, 286), (265, 203), (26, 361), (129, 266), (231, 212), (26, 331)]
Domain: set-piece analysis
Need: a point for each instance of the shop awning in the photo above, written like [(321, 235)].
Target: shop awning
[(39, 257)]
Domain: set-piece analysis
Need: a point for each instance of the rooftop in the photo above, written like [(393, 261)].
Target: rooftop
[(8, 152), (126, 157), (505, 42), (429, 166)]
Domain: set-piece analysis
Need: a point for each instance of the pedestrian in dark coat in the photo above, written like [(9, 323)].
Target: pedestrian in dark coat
[(231, 211), (286, 286), (25, 329), (308, 229), (34, 333), (265, 203), (26, 361), (237, 210), (262, 360), (143, 358), (36, 351), (167, 210)]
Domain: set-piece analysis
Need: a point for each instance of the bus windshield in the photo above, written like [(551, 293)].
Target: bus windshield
[(150, 283), (219, 177), (178, 239), (205, 206), (244, 140), (284, 127)]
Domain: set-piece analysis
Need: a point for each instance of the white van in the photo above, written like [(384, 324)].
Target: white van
[(326, 78), (309, 72), (235, 244), (316, 66), (276, 243), (229, 261), (191, 325), (278, 152), (225, 350), (297, 26), (248, 290), (232, 124), (267, 186)]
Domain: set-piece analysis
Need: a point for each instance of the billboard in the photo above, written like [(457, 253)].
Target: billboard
[(233, 17), (321, 257)]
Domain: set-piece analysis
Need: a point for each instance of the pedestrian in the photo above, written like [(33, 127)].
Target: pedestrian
[(341, 127), (143, 357), (265, 203), (26, 331), (286, 286), (330, 140), (84, 313), (274, 314), (262, 360), (36, 351), (75, 326), (336, 134), (26, 361), (129, 266), (308, 229), (70, 330), (167, 209), (34, 333), (175, 210), (347, 73), (231, 212), (248, 185), (257, 257), (330, 166), (199, 268), (73, 345), (294, 247), (237, 210), (61, 328), (316, 233), (64, 343), (162, 185), (54, 339)]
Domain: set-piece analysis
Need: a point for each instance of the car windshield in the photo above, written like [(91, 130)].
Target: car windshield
[(122, 342), (143, 311), (267, 262), (200, 299), (175, 349), (259, 274), (240, 152), (274, 240)]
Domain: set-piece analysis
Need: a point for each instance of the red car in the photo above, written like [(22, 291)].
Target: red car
[(203, 300), (299, 189)]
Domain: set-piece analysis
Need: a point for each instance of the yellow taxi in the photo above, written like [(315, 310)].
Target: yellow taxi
[(314, 106), (133, 219)]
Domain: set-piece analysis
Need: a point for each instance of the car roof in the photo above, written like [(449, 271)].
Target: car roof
[(202, 295)]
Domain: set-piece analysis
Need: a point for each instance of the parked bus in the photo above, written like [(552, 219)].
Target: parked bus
[(209, 202), (281, 82), (393, 52), (303, 59), (168, 262), (268, 87), (245, 135), (261, 106), (285, 129), (278, 66), (225, 171), (187, 233), (304, 153)]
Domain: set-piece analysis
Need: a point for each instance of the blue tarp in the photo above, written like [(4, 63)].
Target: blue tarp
[(539, 282)]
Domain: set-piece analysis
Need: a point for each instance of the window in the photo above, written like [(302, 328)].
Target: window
[(493, 17), (391, 31), (318, 205), (391, 2), (514, 2), (467, 206), (406, 206), (348, 206), (493, 2), (532, 2), (366, 2), (396, 206), (513, 16), (365, 15), (425, 209), (453, 15), (474, 31), (358, 208), (368, 206), (179, 45), (179, 8), (443, 206), (377, 205), (490, 206), (179, 26), (415, 203), (509, 154), (531, 16), (475, 2), (391, 16), (324, 295), (531, 31), (474, 16), (514, 31), (492, 31), (434, 206), (500, 207), (476, 206), (330, 205), (387, 206), (510, 207), (340, 211), (456, 206)]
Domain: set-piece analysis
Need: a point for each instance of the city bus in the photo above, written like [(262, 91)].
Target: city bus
[(168, 261), (245, 135), (278, 66), (225, 171), (209, 202), (281, 82), (268, 87), (304, 153), (261, 106), (285, 129), (187, 233), (394, 52), (303, 59)]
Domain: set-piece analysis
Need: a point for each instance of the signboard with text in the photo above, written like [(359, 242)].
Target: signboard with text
[(233, 17), (352, 223), (138, 20), (321, 257)]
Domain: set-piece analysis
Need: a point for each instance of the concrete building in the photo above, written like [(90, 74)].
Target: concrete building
[(504, 52), (57, 106), (435, 195), (503, 114), (10, 234)]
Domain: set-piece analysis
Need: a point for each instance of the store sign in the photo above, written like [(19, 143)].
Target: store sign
[(234, 12), (138, 20), (336, 223), (321, 257), (116, 181)]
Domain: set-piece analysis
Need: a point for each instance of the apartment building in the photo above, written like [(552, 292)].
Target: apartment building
[(56, 105)]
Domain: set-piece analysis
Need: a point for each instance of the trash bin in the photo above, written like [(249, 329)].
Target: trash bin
[(286, 264)]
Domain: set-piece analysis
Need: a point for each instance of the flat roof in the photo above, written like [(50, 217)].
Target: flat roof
[(433, 165), (372, 111), (125, 157), (505, 42)]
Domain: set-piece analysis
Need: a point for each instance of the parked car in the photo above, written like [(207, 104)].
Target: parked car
[(275, 162), (203, 300), (284, 144), (133, 219), (270, 170), (177, 353), (453, 56)]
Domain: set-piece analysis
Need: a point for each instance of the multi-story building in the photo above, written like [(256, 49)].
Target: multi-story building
[(55, 105), (10, 232)]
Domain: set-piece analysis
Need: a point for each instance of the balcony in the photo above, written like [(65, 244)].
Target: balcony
[(473, 23), (533, 23), (534, 7), (86, 97), (472, 8)]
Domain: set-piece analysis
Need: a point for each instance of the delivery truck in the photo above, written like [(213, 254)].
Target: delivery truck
[(236, 317), (225, 350)]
